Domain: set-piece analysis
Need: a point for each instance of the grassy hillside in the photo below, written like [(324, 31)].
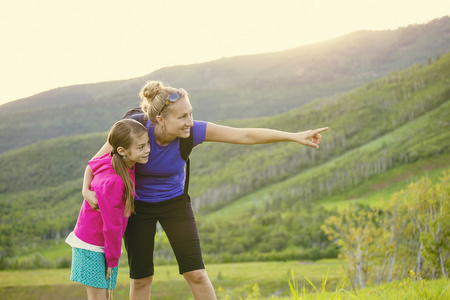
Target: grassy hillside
[(48, 163), (230, 171), (370, 117), (376, 191), (386, 124), (230, 88)]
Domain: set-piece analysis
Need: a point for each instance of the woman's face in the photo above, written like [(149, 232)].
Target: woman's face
[(179, 120)]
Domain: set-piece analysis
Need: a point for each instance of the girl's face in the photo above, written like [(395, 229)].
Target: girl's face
[(179, 121), (138, 151)]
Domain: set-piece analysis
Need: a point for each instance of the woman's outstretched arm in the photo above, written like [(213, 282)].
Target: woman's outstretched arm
[(252, 136), (89, 195)]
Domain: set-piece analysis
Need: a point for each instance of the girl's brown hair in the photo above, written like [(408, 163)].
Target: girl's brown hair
[(154, 96), (122, 134)]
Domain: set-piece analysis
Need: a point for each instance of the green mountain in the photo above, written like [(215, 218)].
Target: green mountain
[(396, 121), (356, 119), (231, 88)]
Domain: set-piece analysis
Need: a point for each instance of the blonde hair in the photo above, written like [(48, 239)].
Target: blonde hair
[(122, 134), (154, 96)]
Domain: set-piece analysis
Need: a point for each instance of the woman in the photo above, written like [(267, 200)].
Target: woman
[(160, 195)]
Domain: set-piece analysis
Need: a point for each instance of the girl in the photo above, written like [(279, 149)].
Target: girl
[(97, 238), (161, 196)]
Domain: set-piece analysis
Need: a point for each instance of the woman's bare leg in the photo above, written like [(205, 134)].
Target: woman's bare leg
[(140, 288), (200, 285)]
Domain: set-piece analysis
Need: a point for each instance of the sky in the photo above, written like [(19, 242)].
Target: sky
[(47, 44)]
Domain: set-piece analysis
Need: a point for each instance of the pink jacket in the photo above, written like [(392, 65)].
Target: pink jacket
[(105, 228)]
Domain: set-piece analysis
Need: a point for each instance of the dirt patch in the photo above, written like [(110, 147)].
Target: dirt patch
[(402, 177)]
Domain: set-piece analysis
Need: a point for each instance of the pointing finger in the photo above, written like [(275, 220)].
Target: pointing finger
[(320, 130)]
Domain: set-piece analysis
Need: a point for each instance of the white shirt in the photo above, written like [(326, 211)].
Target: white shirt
[(75, 242)]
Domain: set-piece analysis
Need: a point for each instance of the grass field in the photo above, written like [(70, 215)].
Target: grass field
[(261, 280), (228, 279)]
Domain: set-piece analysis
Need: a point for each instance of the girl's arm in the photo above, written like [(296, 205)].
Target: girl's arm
[(252, 136), (110, 194), (89, 195)]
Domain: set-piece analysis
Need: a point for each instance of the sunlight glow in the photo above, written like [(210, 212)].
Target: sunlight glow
[(53, 43)]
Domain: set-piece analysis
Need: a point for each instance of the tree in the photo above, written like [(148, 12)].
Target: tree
[(436, 240), (412, 233), (356, 231)]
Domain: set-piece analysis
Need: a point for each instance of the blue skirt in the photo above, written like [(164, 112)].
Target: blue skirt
[(88, 268)]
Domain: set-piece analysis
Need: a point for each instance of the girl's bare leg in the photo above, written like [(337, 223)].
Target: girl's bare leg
[(96, 293)]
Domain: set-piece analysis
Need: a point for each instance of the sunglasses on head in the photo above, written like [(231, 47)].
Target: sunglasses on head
[(173, 97)]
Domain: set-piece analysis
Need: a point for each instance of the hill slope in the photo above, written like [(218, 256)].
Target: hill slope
[(230, 88), (387, 123)]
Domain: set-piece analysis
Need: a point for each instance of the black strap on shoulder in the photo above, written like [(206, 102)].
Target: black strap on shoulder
[(186, 180), (186, 146)]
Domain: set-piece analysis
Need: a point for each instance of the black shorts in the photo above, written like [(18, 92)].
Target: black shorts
[(177, 219)]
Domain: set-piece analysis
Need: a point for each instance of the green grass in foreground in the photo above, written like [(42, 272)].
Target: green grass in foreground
[(396, 290), (232, 279), (324, 279)]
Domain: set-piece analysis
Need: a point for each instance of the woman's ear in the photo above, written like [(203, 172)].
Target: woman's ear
[(160, 120)]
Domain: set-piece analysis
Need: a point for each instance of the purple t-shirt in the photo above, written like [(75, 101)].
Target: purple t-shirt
[(162, 177)]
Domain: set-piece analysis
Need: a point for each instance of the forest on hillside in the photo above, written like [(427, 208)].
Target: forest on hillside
[(387, 123), (384, 123)]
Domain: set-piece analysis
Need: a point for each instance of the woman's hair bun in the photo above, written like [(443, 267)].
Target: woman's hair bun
[(150, 90)]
